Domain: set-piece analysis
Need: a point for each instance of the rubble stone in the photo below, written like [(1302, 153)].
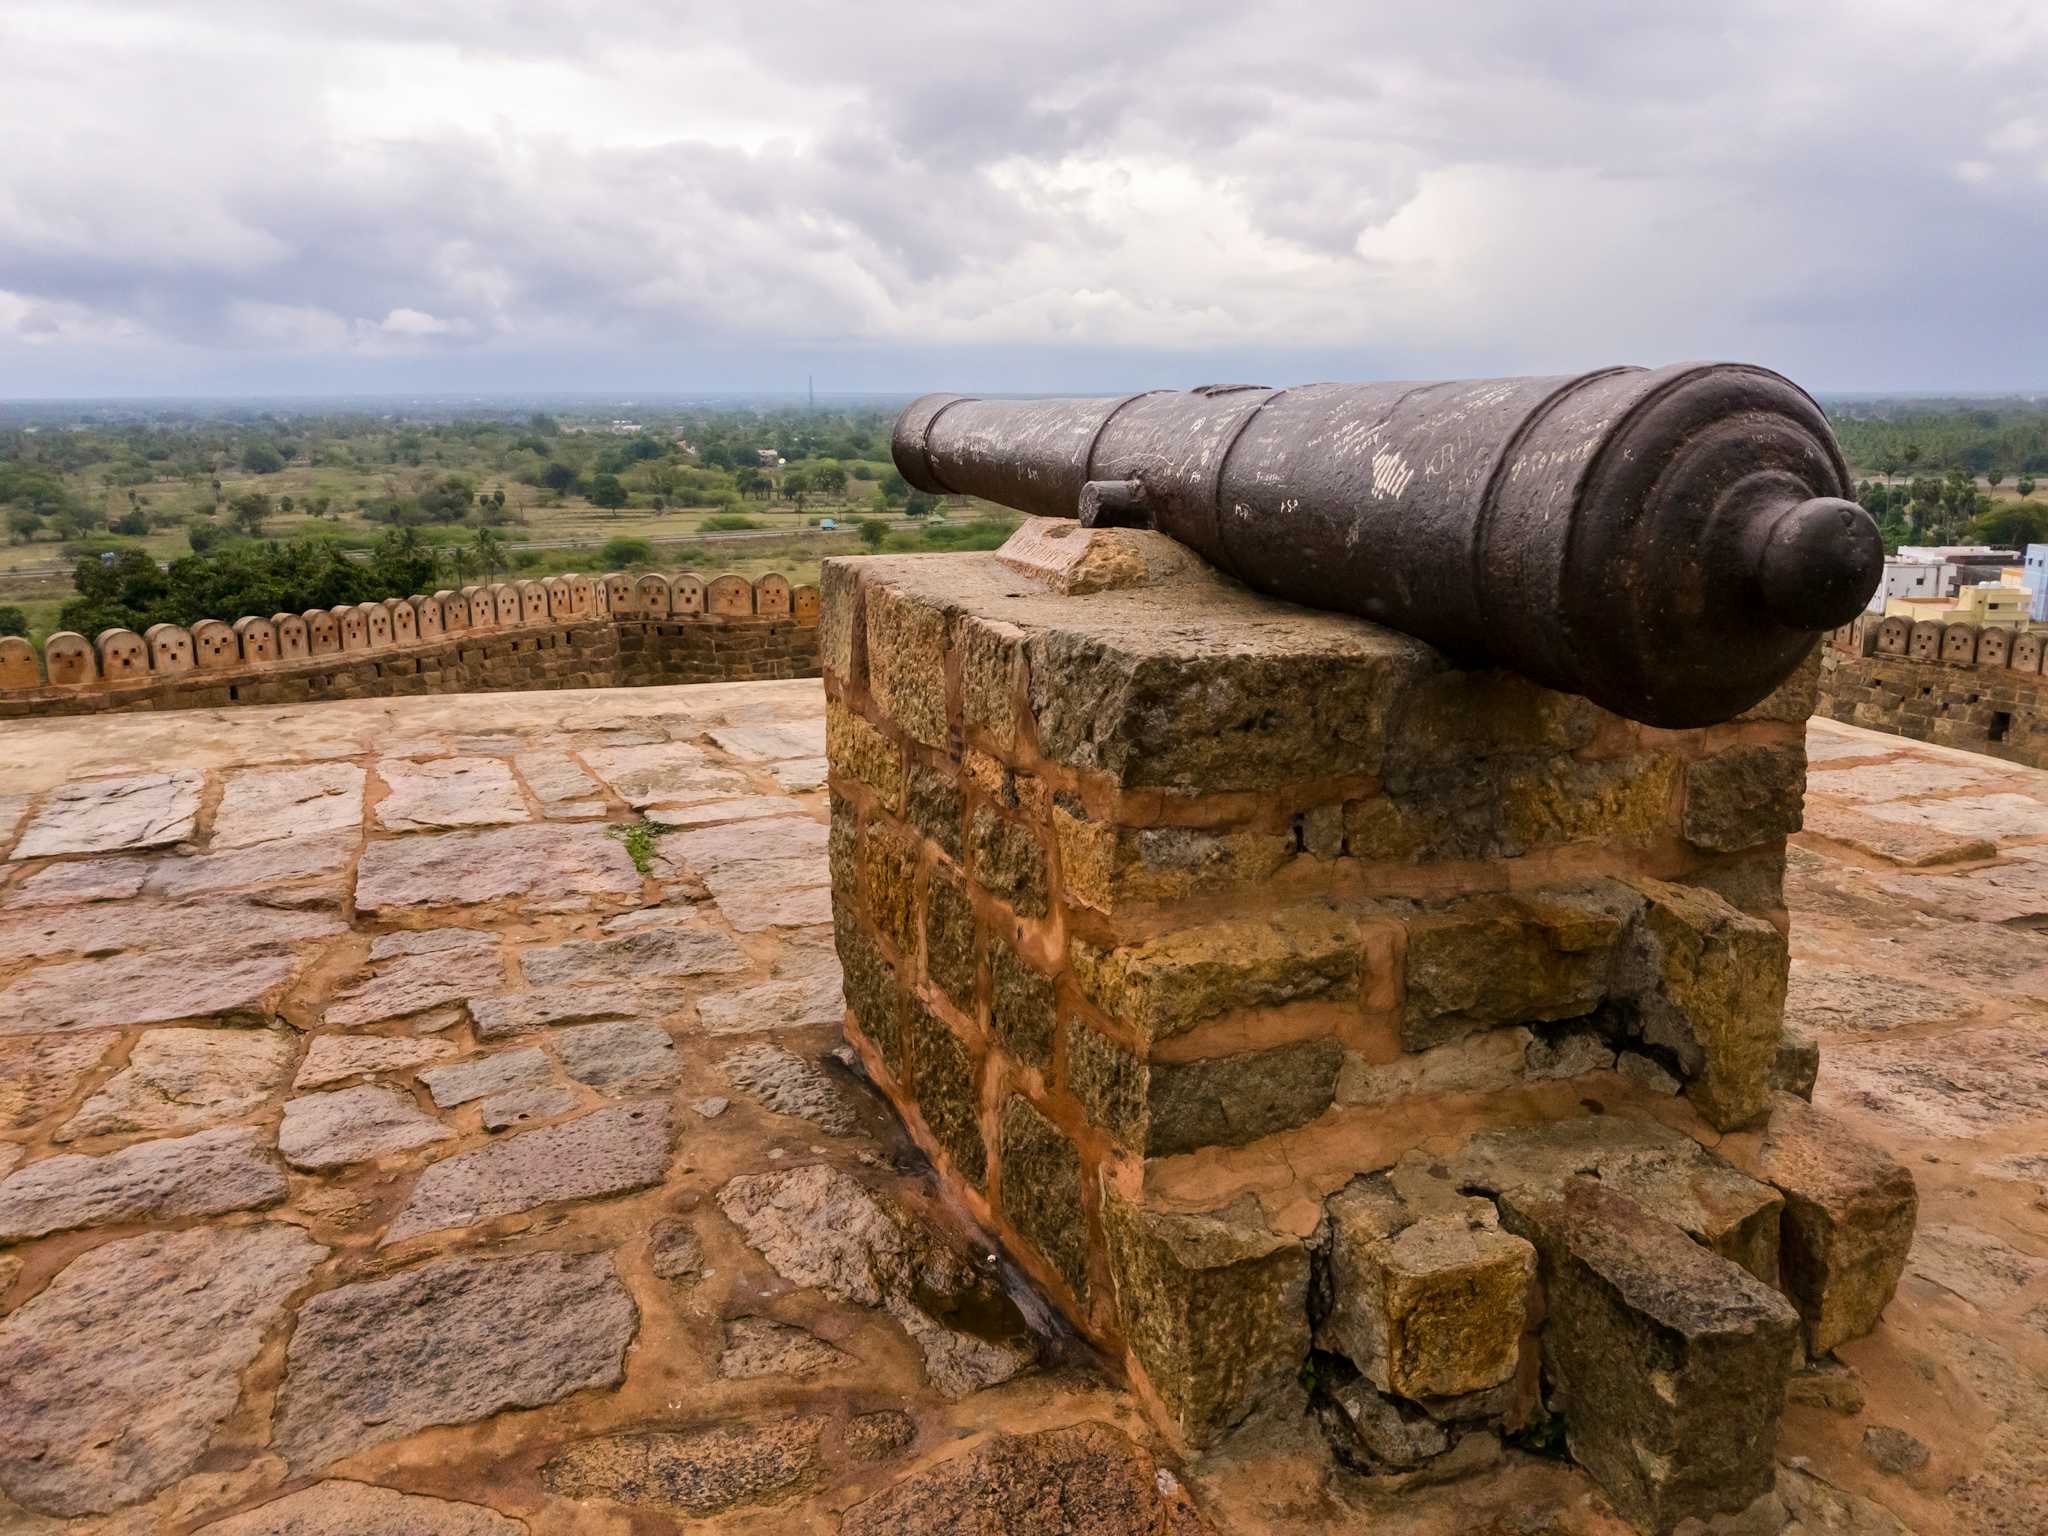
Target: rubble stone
[(338, 1508), (331, 1058), (1488, 960), (674, 950), (461, 1081), (353, 1125), (186, 1080), (498, 863), (144, 810), (789, 1085), (625, 1056), (693, 1472)]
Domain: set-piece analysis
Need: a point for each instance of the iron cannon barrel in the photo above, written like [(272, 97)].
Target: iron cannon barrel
[(1668, 542)]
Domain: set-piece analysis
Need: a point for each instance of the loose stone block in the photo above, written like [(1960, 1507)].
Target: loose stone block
[(1426, 1304), (1040, 1175), (1848, 1224), (1487, 960), (1667, 1362), (1214, 1307)]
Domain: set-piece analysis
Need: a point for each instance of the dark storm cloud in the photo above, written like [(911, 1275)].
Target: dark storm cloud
[(238, 195)]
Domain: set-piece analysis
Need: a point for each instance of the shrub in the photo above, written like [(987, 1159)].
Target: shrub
[(621, 553), (729, 522), (13, 621)]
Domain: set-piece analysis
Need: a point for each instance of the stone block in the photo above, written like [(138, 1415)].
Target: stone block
[(1709, 987), (1848, 1223), (991, 680), (933, 806), (1008, 860), (1482, 1063), (1743, 796), (1230, 1101), (1108, 867), (1474, 807), (949, 947), (1428, 1302), (907, 638), (1040, 1192), (1021, 1007), (1214, 1307), (1166, 986), (1110, 1081), (1483, 961), (942, 1072), (888, 859), (1667, 1362), (1796, 1067), (872, 992), (857, 750)]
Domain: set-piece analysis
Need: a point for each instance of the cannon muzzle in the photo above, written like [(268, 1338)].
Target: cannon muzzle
[(1668, 542)]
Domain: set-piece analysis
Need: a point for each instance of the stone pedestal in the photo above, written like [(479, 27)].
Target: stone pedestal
[(1241, 965)]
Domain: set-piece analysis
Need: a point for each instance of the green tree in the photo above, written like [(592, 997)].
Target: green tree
[(828, 480), (489, 548), (23, 524), (796, 485), (261, 458), (1993, 477), (608, 491), (623, 553), (872, 531), (249, 512), (13, 621), (558, 477), (402, 562), (2024, 485)]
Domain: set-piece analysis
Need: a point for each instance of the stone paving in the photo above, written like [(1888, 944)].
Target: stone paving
[(427, 1116)]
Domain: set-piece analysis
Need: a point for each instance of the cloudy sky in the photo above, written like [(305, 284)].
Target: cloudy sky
[(364, 195)]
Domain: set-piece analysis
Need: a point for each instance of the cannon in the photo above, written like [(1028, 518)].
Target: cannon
[(1668, 542)]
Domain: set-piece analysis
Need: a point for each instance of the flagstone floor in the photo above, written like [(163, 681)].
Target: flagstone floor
[(425, 1116)]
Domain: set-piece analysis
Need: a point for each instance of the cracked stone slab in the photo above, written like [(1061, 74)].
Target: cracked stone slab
[(292, 864), (81, 880), (794, 1004), (690, 948), (448, 1343), (187, 1080), (607, 1152), (557, 779), (747, 843), (772, 741), (412, 972), (464, 868), (223, 927), (789, 1085), (623, 1056), (353, 1125), (520, 1013), (270, 805), (206, 1174), (714, 812), (144, 810), (760, 1346), (519, 1106), (1829, 999), (776, 893), (448, 792), (662, 774), (115, 1378), (330, 1058), (156, 987), (339, 1508), (39, 1073), (484, 1075)]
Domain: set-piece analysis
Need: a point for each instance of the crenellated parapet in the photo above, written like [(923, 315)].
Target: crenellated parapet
[(704, 628), (1978, 687)]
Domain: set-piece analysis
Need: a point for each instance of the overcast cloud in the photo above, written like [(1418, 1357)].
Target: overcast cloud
[(351, 195)]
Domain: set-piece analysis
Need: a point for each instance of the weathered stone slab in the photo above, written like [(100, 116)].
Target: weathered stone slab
[(1996, 817), (1899, 842), (330, 1058), (464, 868), (789, 1085), (1848, 1224), (625, 1055), (448, 1343), (114, 1379), (338, 1508), (692, 948), (186, 1080), (313, 867), (1485, 961), (448, 792), (1901, 777), (1832, 999), (267, 805), (557, 779), (801, 775), (1215, 1307), (1668, 1363), (715, 812), (144, 810), (795, 1004), (523, 1106), (778, 893), (225, 927), (772, 742), (151, 988), (774, 837), (818, 1225), (482, 1075), (2013, 892), (353, 1125), (1087, 1478), (41, 1072), (411, 972), (760, 1346), (497, 1018), (665, 773), (81, 880), (202, 1175), (694, 1472), (607, 1152)]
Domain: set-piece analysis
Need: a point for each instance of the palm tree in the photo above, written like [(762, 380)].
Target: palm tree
[(458, 565), (489, 548)]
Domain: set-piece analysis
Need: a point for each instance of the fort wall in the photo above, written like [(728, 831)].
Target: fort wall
[(1958, 685), (565, 632)]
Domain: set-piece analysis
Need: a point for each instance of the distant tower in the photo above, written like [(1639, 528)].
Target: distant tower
[(811, 389)]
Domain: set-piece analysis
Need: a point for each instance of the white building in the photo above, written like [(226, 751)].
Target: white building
[(1917, 578), (2036, 581)]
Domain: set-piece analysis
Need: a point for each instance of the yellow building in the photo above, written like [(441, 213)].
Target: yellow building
[(2002, 604)]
